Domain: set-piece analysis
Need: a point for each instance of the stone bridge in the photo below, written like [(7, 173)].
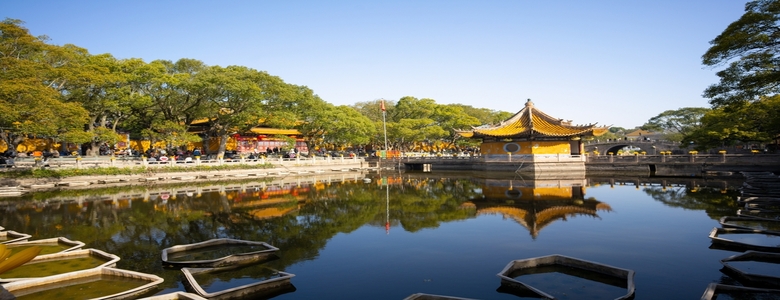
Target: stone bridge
[(651, 147)]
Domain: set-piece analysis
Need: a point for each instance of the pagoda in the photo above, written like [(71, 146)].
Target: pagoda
[(532, 141)]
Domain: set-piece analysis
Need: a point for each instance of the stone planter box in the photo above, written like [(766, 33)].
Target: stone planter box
[(758, 213), (765, 269), (713, 289), (421, 296), (741, 222), (10, 236), (175, 296), (716, 238), (267, 252), (624, 277), (109, 260), (26, 287), (280, 284), (67, 244)]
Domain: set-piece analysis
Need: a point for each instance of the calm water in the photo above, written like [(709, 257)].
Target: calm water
[(405, 233)]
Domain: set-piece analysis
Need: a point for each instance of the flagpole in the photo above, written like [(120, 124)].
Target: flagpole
[(387, 185), (384, 124)]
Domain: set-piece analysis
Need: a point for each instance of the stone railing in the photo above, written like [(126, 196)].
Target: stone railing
[(124, 162), (688, 158)]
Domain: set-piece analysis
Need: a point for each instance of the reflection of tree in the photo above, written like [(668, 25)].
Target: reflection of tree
[(432, 201), (711, 200), (138, 230)]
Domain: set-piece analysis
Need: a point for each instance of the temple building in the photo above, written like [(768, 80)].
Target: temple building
[(534, 141)]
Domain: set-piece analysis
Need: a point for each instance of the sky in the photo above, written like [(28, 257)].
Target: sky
[(610, 62)]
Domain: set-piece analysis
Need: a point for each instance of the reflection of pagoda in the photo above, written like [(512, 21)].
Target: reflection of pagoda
[(536, 204)]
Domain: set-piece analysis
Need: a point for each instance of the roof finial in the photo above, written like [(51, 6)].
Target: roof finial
[(529, 103)]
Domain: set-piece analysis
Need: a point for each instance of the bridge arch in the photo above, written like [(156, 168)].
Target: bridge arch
[(650, 147)]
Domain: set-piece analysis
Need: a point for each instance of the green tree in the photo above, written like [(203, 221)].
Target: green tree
[(484, 115), (97, 83), (404, 133), (373, 111), (450, 118), (173, 134), (412, 108), (176, 95), (238, 98), (286, 105), (750, 44), (675, 124), (167, 100), (30, 73), (748, 122), (744, 99), (411, 121), (337, 125)]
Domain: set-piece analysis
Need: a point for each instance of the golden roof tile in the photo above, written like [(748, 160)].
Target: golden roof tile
[(532, 122)]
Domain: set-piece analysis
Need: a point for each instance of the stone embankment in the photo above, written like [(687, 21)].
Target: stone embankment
[(12, 186)]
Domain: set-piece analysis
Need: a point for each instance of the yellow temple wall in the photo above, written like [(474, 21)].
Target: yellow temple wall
[(528, 147), (30, 145)]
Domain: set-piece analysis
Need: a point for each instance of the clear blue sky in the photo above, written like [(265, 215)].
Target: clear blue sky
[(614, 62)]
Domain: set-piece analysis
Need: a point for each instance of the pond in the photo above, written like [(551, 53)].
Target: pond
[(398, 234)]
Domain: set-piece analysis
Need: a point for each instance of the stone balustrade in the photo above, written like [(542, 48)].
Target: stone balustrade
[(125, 162)]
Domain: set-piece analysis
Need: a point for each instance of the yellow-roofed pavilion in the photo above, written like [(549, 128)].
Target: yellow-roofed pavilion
[(534, 137)]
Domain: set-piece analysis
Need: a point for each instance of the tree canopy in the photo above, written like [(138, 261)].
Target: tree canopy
[(675, 124), (744, 102), (752, 122), (31, 72), (751, 47), (68, 94)]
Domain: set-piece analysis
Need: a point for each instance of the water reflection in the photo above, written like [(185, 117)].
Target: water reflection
[(302, 215), (535, 204)]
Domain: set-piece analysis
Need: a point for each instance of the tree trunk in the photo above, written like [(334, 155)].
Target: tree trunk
[(223, 137), (93, 150)]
